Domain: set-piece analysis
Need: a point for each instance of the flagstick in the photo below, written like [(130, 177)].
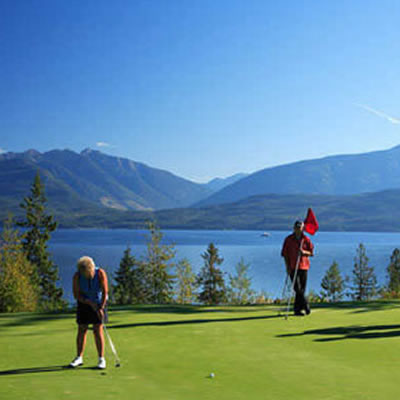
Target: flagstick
[(284, 292)]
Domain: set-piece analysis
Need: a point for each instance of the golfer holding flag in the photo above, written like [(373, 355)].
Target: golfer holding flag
[(297, 250)]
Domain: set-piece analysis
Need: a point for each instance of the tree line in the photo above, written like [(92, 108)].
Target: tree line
[(362, 285), (156, 278), (146, 280)]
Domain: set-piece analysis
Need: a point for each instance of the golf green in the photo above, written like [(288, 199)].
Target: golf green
[(346, 351)]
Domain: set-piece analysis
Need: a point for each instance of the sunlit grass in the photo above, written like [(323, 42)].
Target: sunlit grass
[(348, 351)]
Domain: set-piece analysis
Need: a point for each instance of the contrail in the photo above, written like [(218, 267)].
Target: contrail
[(379, 114)]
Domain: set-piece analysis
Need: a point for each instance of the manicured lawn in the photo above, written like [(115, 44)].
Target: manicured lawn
[(346, 352)]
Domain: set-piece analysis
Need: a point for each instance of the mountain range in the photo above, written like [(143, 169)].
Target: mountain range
[(94, 178), (94, 189), (334, 175)]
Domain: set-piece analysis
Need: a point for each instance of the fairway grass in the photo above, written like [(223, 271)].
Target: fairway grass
[(351, 351)]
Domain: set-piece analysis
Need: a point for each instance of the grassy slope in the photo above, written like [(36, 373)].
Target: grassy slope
[(351, 352)]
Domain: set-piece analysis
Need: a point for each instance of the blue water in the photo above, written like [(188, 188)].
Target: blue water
[(262, 253)]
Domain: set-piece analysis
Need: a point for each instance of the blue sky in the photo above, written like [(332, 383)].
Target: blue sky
[(202, 88)]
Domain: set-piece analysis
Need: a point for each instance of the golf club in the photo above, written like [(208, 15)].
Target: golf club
[(117, 360)]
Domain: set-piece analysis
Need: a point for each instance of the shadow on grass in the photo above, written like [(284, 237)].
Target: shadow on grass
[(352, 306), (351, 332), (360, 306), (20, 319), (191, 321), (38, 370), (185, 309), (21, 371)]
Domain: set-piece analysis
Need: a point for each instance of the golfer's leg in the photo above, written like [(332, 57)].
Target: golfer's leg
[(81, 339), (99, 338), (297, 300), (304, 286), (302, 289)]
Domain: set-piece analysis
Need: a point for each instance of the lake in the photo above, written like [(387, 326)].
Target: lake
[(262, 253)]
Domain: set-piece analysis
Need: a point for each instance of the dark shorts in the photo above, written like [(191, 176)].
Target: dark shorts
[(85, 315)]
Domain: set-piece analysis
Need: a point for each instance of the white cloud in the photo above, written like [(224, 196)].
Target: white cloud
[(379, 113), (103, 144), (2, 151)]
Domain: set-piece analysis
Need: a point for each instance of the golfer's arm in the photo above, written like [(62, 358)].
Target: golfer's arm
[(77, 292), (287, 264), (104, 287), (284, 254), (309, 252)]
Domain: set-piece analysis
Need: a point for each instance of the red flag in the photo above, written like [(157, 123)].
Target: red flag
[(310, 223)]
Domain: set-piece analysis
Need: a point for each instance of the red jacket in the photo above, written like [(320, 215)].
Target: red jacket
[(290, 251)]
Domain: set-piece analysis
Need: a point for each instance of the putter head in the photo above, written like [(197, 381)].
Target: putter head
[(117, 365)]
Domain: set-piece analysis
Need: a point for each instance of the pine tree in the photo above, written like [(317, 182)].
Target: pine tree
[(185, 282), (393, 271), (17, 291), (128, 280), (211, 278), (333, 284), (157, 265), (364, 278), (240, 291), (39, 226)]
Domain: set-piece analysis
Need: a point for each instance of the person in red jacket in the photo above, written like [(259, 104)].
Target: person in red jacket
[(296, 250)]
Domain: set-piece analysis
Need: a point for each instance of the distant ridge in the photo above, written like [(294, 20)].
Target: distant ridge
[(334, 175), (217, 184), (95, 178)]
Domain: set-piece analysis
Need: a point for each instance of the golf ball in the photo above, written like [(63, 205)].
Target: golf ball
[(212, 375)]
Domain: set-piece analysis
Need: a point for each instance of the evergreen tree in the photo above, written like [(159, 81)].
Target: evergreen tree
[(185, 282), (39, 226), (129, 280), (393, 271), (157, 264), (240, 291), (211, 278), (333, 284), (17, 291), (364, 278)]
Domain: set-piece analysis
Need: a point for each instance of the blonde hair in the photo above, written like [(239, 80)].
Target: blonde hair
[(86, 264)]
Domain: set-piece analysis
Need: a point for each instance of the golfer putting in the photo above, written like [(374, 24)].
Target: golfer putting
[(90, 288), (296, 251)]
